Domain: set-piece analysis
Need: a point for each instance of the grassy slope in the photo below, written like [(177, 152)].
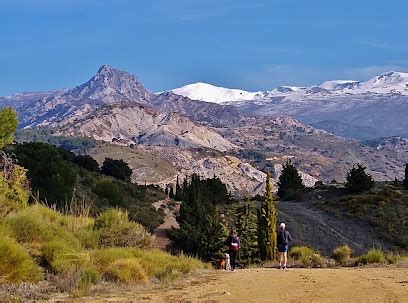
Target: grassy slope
[(385, 208), (147, 168), (77, 251)]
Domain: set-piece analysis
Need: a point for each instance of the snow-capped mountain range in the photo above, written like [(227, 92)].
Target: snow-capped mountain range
[(387, 83), (362, 110)]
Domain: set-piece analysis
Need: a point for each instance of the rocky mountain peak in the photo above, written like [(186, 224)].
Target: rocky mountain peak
[(111, 85)]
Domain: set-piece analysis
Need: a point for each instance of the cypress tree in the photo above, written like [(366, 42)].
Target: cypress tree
[(267, 220), (405, 183), (290, 183), (247, 231), (171, 193), (166, 191), (8, 124), (179, 191)]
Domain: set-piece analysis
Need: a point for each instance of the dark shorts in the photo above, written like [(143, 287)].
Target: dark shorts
[(283, 248)]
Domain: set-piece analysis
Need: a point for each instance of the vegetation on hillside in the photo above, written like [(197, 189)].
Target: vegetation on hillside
[(78, 145), (385, 207), (58, 177), (72, 250)]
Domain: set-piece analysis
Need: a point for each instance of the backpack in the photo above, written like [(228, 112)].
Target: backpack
[(234, 243), (283, 237)]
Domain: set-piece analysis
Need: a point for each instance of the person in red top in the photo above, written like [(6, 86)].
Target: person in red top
[(233, 244)]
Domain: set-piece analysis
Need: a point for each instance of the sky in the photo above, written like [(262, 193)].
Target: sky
[(253, 45)]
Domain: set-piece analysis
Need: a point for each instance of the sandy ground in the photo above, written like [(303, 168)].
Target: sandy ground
[(273, 285)]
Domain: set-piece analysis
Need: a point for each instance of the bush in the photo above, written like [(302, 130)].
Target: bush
[(14, 189), (307, 256), (38, 229), (87, 162), (118, 169), (374, 255), (315, 260), (155, 263), (342, 254), (50, 175), (115, 229), (16, 265), (299, 252), (127, 271)]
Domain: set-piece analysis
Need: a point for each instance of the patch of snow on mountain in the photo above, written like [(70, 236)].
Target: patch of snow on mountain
[(334, 84), (210, 93)]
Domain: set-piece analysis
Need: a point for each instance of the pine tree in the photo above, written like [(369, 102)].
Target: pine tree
[(166, 191), (201, 232), (290, 183), (248, 233), (405, 183), (267, 220), (358, 180)]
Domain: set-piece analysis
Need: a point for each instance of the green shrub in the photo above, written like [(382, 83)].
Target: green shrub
[(155, 263), (374, 255), (342, 254), (307, 256), (127, 271), (115, 229), (38, 229), (88, 238), (299, 252), (14, 190), (16, 265), (315, 260)]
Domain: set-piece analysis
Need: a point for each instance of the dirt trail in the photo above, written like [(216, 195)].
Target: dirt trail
[(161, 241), (273, 285), (312, 226)]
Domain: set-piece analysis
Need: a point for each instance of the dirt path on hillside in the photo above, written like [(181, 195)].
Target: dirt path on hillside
[(314, 227), (273, 285), (161, 241)]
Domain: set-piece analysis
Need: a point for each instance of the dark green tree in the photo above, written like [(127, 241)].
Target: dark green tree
[(87, 162), (171, 193), (405, 182), (247, 228), (179, 191), (201, 232), (357, 180), (166, 191), (267, 221), (118, 169), (8, 124), (50, 176), (290, 185)]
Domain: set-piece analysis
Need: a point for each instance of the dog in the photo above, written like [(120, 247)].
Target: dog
[(227, 262), (220, 264)]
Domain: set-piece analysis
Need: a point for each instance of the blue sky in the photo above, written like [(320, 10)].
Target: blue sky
[(258, 44)]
